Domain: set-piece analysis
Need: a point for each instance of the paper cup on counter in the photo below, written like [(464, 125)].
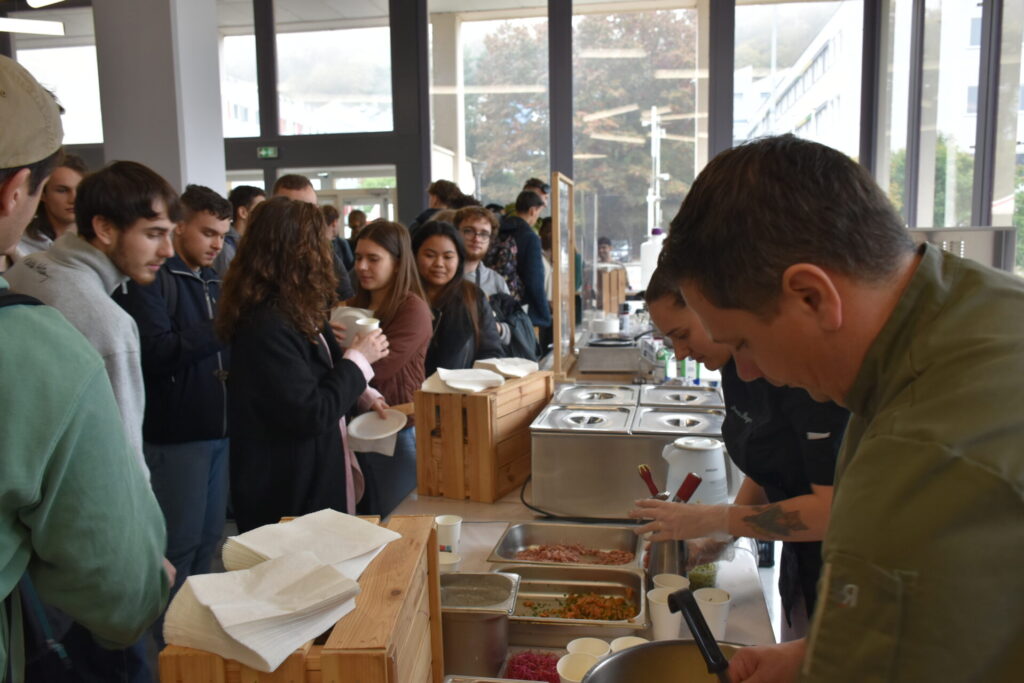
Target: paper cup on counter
[(665, 624), (714, 605), (589, 646), (625, 642), (449, 528), (673, 582), (449, 562), (573, 667)]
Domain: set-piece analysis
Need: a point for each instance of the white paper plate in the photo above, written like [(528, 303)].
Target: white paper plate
[(369, 426)]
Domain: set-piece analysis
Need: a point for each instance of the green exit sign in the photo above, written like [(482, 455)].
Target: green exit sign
[(266, 152)]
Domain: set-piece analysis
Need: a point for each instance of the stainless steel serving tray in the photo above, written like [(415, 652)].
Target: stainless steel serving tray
[(681, 398), (596, 395), (547, 584), (519, 537), (584, 419), (657, 420)]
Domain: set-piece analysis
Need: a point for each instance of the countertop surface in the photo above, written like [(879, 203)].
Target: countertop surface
[(483, 524)]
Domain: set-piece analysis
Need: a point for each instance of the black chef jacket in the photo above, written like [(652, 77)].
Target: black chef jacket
[(785, 441)]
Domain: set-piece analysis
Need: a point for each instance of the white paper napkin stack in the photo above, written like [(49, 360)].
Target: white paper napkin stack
[(511, 368), (259, 616), (286, 584), (461, 381)]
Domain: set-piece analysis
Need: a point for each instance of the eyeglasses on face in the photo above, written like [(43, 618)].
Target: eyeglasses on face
[(482, 235)]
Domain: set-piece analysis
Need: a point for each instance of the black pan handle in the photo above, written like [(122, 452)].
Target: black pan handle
[(683, 601)]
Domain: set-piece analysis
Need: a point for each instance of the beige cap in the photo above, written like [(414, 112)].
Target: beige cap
[(31, 129)]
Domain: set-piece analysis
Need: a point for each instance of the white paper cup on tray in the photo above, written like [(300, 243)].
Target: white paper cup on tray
[(449, 562), (673, 582), (625, 642), (714, 604), (589, 646), (449, 529), (574, 666), (665, 624)]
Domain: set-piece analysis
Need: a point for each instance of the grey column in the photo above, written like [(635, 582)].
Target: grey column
[(160, 87), (560, 84), (411, 97)]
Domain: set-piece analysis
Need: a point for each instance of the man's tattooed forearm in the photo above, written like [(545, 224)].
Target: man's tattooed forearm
[(773, 521)]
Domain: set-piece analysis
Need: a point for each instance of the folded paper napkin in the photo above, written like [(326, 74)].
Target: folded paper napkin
[(259, 616), (461, 381), (347, 543), (508, 367)]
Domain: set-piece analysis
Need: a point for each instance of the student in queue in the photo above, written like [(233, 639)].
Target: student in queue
[(387, 283), (56, 214), (289, 384), (782, 439), (464, 326), (790, 253)]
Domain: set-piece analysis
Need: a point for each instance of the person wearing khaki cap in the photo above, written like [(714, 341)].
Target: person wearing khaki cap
[(80, 528)]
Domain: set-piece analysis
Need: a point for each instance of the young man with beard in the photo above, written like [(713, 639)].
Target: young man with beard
[(184, 367), (125, 214)]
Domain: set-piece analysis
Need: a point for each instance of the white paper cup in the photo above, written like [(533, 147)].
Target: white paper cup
[(449, 528), (665, 624), (714, 605), (589, 646), (449, 562), (364, 325), (673, 582), (573, 667), (349, 316), (626, 642)]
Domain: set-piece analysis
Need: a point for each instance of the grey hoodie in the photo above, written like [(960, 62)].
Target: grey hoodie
[(77, 279)]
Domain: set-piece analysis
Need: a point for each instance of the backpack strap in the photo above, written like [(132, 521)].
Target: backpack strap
[(169, 285), (9, 298)]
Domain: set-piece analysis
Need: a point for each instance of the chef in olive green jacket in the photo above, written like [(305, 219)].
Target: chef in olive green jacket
[(790, 253)]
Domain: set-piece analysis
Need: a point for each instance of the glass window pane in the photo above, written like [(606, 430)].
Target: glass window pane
[(795, 63), (67, 66), (333, 67), (239, 93), (640, 128), (1008, 183), (948, 121), (505, 90)]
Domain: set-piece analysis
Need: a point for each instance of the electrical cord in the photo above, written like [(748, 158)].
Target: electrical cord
[(578, 520)]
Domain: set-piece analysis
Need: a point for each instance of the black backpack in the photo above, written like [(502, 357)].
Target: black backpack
[(502, 260), (523, 342)]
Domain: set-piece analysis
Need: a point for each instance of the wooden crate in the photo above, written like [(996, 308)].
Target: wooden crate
[(477, 446), (392, 636), (611, 283)]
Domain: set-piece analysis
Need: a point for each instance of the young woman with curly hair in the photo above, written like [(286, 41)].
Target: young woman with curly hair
[(465, 329), (290, 385), (387, 283)]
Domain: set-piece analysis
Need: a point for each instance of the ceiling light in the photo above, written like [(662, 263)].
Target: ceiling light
[(46, 28), (614, 53), (584, 156), (681, 73), (607, 113), (42, 3), (630, 139)]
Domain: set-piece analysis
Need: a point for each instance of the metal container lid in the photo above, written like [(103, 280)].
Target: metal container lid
[(654, 420), (579, 419), (681, 397), (697, 443), (596, 394), (483, 592)]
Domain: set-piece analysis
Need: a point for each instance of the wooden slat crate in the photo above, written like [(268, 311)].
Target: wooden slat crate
[(477, 446), (611, 283), (392, 636)]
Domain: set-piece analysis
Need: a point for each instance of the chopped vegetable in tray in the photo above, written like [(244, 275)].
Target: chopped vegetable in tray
[(533, 666), (573, 553), (585, 606)]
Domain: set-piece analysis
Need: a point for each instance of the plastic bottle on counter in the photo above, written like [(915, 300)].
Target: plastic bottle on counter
[(624, 318), (649, 252)]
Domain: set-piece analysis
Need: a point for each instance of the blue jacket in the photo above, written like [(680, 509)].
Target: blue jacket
[(183, 363), (530, 266)]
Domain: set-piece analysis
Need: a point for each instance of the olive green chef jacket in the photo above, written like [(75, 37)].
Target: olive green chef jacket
[(924, 555)]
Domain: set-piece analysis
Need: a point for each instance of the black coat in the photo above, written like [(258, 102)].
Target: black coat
[(284, 404), (452, 346), (183, 362)]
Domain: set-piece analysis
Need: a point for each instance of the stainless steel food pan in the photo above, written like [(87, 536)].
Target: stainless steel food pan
[(519, 537), (545, 585), (597, 394), (681, 398), (657, 420)]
